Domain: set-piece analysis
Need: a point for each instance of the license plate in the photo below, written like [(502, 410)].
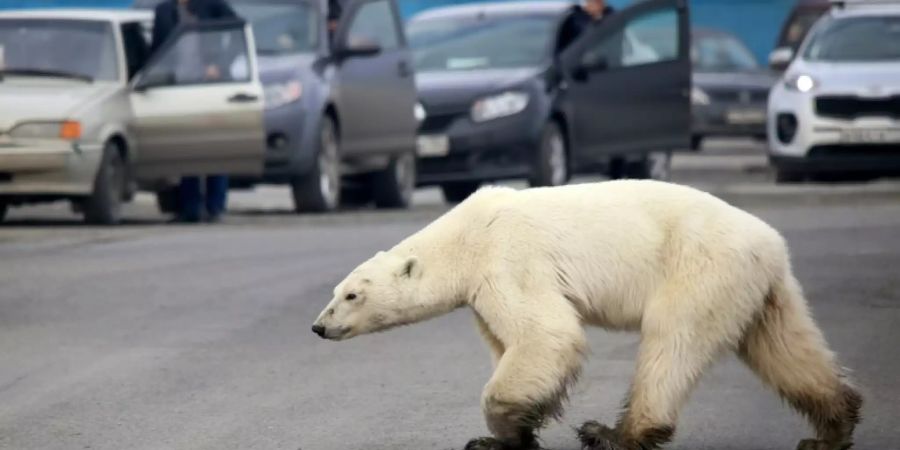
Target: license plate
[(870, 136), (746, 116), (433, 146)]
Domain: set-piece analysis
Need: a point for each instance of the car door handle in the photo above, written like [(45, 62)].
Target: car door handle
[(242, 98)]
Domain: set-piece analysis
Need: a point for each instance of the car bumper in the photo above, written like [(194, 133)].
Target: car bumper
[(730, 119), (826, 144), (48, 168), (494, 150)]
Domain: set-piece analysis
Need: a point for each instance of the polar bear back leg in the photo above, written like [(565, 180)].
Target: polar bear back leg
[(786, 349)]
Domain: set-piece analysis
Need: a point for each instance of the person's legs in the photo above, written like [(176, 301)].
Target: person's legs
[(216, 195), (190, 196)]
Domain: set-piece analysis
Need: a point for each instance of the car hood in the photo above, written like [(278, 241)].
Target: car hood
[(277, 68), (735, 80), (858, 78), (44, 100), (453, 90)]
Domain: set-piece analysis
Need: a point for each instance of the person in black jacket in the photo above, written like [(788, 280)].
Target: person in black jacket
[(579, 19), (169, 15)]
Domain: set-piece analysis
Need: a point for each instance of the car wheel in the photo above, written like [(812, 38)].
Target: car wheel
[(458, 191), (653, 166), (167, 200), (393, 187), (551, 166), (787, 176), (320, 190), (104, 206)]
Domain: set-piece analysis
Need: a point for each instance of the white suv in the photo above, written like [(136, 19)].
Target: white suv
[(836, 112)]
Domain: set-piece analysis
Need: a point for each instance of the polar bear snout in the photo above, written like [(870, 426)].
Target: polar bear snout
[(319, 329)]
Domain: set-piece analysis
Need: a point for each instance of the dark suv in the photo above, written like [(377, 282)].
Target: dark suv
[(339, 107), (499, 102)]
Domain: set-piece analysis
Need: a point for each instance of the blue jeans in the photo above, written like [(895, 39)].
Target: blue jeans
[(193, 199)]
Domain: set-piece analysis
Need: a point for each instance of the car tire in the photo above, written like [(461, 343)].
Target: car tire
[(104, 206), (458, 191), (393, 187), (320, 190), (551, 164), (653, 166), (789, 176), (167, 200)]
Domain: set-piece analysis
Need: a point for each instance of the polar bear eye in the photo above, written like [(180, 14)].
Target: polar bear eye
[(351, 296)]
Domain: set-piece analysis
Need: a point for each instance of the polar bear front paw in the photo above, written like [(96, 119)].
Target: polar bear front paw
[(813, 444), (596, 436)]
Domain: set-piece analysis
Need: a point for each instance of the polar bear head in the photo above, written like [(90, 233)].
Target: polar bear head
[(379, 294)]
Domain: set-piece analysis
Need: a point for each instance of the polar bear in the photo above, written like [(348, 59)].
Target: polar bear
[(694, 275)]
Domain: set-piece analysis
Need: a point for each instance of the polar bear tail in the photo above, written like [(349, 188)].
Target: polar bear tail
[(786, 349)]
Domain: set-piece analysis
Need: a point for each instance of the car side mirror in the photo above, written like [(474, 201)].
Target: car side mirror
[(154, 79), (359, 48), (780, 58)]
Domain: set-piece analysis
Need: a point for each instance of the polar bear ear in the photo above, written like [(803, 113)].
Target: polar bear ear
[(411, 268)]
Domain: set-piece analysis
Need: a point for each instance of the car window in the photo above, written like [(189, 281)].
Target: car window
[(856, 39), (477, 42), (136, 47), (201, 56), (375, 23), (80, 48), (721, 53), (282, 28), (646, 39)]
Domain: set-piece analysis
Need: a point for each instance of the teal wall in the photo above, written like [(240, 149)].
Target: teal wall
[(757, 22)]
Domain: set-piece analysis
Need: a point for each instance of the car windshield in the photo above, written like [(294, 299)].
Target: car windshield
[(722, 53), (857, 39), (477, 42), (78, 49), (281, 28)]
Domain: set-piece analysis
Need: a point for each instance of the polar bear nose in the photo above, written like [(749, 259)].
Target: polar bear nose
[(319, 329)]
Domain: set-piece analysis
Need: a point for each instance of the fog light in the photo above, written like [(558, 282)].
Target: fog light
[(786, 127)]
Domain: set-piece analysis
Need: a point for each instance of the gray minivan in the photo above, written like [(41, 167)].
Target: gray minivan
[(339, 108)]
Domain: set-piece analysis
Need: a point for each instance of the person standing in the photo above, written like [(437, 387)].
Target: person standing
[(168, 16), (579, 19)]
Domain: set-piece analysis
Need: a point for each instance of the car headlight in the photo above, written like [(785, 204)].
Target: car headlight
[(280, 94), (69, 130), (420, 113), (699, 96), (800, 83), (497, 106)]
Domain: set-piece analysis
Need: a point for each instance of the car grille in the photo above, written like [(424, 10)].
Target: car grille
[(856, 151), (851, 107), (738, 95)]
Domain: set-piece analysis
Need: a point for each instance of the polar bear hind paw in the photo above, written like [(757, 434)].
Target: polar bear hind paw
[(813, 444)]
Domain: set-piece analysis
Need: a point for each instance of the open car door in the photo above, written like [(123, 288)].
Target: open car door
[(628, 81), (197, 105)]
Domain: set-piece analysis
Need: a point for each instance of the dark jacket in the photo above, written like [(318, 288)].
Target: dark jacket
[(575, 24), (166, 20)]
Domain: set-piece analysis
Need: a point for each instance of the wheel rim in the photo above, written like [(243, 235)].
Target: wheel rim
[(659, 165), (329, 169), (404, 172), (557, 159)]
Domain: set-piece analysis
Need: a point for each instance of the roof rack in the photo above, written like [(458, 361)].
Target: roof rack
[(843, 4)]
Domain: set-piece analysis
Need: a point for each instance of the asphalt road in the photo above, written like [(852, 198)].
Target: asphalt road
[(150, 336)]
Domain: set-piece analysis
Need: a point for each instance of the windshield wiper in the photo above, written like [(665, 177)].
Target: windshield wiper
[(45, 73)]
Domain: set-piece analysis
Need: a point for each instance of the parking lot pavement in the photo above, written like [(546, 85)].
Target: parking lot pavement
[(150, 336)]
